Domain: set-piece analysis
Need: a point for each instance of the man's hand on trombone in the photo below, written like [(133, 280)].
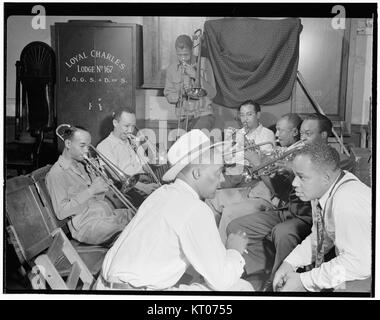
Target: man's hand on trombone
[(98, 186)]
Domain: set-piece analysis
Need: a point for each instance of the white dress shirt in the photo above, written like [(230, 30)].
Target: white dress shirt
[(172, 229), (121, 154), (351, 222), (259, 135)]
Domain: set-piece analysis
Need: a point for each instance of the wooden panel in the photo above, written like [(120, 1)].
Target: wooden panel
[(97, 73)]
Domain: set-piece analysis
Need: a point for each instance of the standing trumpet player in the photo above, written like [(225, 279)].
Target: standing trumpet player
[(78, 195), (180, 79)]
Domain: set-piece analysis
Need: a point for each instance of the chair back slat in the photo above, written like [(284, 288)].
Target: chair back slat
[(27, 216), (39, 178)]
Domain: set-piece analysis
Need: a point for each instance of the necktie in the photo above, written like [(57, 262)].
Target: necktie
[(318, 219)]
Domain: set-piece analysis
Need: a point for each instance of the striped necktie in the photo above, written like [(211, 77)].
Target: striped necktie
[(318, 220)]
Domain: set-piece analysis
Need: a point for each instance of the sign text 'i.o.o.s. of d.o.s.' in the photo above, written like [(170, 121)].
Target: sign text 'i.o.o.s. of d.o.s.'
[(99, 64), (95, 66)]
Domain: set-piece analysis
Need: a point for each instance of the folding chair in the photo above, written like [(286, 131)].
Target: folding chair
[(92, 255), (46, 271), (33, 232)]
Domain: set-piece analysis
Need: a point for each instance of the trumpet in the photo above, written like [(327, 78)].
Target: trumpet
[(93, 165), (268, 167)]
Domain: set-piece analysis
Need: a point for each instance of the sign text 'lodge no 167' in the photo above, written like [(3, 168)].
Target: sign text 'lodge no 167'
[(74, 64)]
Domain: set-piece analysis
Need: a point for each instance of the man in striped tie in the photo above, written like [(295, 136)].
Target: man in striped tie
[(341, 207)]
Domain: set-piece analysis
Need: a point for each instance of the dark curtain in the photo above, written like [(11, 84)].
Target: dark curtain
[(253, 59)]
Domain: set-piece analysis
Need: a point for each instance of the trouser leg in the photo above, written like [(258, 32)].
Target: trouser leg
[(223, 198), (257, 226), (286, 236), (237, 210)]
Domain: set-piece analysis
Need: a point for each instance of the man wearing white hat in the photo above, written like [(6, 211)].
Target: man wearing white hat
[(174, 229)]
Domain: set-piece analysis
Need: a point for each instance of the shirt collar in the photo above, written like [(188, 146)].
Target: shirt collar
[(323, 200), (182, 184), (257, 130), (115, 140), (64, 163)]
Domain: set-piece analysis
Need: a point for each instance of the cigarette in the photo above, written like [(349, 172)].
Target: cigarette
[(245, 251)]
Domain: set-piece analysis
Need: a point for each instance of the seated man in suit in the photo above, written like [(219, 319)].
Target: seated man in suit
[(317, 128), (273, 230), (341, 218), (277, 186), (287, 227), (124, 150), (78, 195)]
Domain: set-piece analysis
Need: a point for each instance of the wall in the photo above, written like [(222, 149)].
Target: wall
[(150, 103), (362, 87)]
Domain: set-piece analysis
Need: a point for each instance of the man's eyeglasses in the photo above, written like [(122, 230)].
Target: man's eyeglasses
[(249, 114)]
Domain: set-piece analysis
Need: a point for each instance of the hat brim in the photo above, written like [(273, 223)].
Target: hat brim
[(172, 173)]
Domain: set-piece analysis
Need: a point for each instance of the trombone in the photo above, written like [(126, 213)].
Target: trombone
[(93, 166), (196, 91), (133, 140)]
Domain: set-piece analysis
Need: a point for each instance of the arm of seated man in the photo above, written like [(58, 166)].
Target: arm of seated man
[(146, 188)]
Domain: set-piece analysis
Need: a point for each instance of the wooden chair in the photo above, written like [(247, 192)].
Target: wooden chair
[(45, 266), (92, 255), (43, 249)]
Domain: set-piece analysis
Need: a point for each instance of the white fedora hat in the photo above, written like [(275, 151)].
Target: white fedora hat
[(185, 150)]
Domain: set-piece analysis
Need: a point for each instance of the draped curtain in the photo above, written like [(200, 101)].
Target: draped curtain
[(253, 59)]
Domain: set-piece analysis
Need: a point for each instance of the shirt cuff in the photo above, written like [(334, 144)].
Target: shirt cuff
[(237, 256), (307, 281), (292, 261)]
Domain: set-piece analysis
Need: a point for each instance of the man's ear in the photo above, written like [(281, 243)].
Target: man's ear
[(295, 132), (324, 135), (196, 173), (67, 144), (114, 122), (258, 115), (327, 176)]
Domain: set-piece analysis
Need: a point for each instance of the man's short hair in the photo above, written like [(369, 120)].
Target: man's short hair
[(324, 123), (184, 41), (294, 119), (69, 132), (321, 155), (252, 103), (117, 113)]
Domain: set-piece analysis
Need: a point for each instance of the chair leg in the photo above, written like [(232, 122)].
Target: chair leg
[(36, 279), (50, 273)]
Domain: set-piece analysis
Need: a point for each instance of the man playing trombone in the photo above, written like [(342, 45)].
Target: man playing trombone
[(78, 195), (192, 113), (124, 150)]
